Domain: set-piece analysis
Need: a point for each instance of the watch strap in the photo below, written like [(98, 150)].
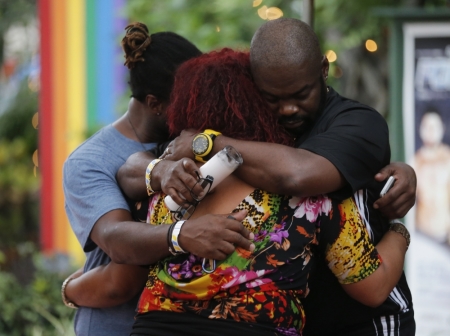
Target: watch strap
[(213, 134)]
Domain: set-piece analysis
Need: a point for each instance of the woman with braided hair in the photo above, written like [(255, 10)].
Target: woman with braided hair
[(94, 202), (256, 291)]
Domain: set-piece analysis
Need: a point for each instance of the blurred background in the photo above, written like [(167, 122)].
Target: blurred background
[(62, 78)]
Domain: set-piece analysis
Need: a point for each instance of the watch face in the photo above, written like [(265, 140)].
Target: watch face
[(200, 144)]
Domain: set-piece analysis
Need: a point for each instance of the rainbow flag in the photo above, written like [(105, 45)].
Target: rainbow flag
[(82, 76)]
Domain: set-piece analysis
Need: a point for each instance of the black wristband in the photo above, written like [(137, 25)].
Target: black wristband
[(169, 237)]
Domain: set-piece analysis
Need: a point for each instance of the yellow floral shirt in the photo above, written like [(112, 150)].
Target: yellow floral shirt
[(264, 286)]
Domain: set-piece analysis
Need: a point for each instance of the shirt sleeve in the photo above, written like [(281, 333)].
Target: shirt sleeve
[(356, 142), (90, 192), (349, 252)]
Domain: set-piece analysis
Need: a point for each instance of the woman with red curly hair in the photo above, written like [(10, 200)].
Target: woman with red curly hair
[(256, 292), (217, 91)]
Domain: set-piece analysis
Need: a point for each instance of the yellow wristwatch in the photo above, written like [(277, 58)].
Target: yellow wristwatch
[(203, 144)]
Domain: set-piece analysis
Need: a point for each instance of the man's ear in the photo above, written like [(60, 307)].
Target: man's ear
[(154, 103), (325, 67)]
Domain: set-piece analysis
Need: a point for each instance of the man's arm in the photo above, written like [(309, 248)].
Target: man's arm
[(99, 216), (113, 284), (293, 171), (272, 167), (135, 243), (131, 175), (128, 242), (315, 174), (106, 286)]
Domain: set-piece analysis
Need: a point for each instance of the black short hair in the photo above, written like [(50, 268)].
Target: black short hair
[(153, 60)]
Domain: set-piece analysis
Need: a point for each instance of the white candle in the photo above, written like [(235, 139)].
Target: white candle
[(219, 166)]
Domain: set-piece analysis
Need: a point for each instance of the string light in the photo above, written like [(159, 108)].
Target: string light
[(35, 120), (33, 84), (274, 13), (34, 157), (271, 13), (256, 3), (262, 12), (331, 55), (371, 45)]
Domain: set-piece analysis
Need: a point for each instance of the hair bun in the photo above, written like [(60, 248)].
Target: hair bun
[(134, 43)]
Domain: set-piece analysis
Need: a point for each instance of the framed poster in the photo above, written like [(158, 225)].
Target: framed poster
[(426, 115)]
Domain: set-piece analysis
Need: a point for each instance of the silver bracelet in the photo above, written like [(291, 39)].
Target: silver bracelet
[(63, 294)]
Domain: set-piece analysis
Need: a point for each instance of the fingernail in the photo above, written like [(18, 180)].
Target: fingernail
[(375, 206), (252, 247), (231, 217), (251, 236), (201, 195)]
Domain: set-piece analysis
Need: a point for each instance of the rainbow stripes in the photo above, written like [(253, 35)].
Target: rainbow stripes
[(81, 78)]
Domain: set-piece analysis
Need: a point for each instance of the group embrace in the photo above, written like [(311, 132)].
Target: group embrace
[(295, 242)]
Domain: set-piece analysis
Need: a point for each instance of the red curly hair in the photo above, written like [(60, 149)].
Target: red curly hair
[(216, 91)]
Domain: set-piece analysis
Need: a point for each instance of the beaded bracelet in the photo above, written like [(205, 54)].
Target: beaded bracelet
[(174, 246), (148, 175), (63, 294)]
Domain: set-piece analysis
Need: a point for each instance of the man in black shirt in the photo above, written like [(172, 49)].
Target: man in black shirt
[(341, 145), (327, 300)]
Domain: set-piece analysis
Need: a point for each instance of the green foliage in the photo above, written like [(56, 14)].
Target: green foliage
[(17, 11), (18, 185), (351, 20), (34, 309), (200, 20)]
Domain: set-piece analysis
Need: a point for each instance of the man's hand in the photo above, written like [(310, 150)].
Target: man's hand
[(216, 236), (181, 147), (402, 196), (177, 179)]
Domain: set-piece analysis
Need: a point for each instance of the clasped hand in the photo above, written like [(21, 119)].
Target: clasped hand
[(216, 236), (209, 236)]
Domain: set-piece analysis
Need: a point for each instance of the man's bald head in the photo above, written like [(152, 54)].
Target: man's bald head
[(284, 42), (290, 72)]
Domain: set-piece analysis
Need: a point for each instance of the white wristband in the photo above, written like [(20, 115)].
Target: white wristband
[(175, 233)]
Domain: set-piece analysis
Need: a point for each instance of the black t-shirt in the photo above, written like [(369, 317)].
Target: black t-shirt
[(353, 137)]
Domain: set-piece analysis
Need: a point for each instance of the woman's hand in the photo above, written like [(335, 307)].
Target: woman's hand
[(181, 147)]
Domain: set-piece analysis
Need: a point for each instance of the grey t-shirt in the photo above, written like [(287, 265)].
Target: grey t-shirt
[(91, 190)]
